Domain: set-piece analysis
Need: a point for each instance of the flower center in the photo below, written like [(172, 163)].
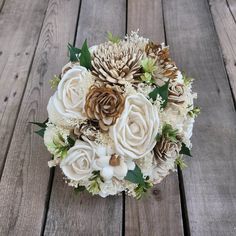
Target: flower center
[(114, 160)]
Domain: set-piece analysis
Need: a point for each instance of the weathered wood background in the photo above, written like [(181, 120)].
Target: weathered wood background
[(33, 37)]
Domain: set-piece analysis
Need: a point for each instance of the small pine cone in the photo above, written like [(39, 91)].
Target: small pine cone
[(87, 129), (116, 63), (176, 92), (166, 67), (105, 105)]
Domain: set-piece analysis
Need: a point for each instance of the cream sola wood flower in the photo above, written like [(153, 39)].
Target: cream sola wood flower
[(135, 131), (66, 106), (78, 164)]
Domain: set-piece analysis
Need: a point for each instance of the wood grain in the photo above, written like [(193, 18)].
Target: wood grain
[(225, 25), (24, 183), (70, 214), (160, 212), (20, 26), (210, 179)]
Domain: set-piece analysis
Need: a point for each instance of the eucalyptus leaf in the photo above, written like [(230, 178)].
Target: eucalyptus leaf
[(73, 53), (85, 56), (185, 150), (79, 189), (135, 176), (162, 92), (40, 132)]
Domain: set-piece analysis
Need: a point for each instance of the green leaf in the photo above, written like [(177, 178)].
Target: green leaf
[(162, 92), (169, 133), (73, 53), (112, 38), (194, 112), (71, 141), (185, 150), (85, 56), (79, 189), (135, 176), (180, 162), (42, 125), (148, 65), (40, 132)]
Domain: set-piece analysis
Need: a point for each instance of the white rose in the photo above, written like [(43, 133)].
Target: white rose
[(134, 133), (78, 164), (67, 104)]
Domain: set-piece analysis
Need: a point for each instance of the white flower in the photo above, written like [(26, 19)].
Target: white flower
[(111, 188), (188, 130), (135, 131), (67, 103), (55, 139), (78, 164), (110, 164), (146, 164)]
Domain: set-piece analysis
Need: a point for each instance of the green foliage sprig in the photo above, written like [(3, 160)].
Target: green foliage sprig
[(162, 92), (112, 38), (82, 55)]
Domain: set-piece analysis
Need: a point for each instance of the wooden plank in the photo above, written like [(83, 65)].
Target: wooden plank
[(160, 212), (20, 26), (210, 179), (225, 25), (70, 214), (24, 183)]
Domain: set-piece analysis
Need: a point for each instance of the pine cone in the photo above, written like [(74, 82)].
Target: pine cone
[(105, 105), (176, 92), (116, 63), (166, 67)]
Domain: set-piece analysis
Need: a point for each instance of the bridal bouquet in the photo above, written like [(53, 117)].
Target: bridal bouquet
[(121, 117)]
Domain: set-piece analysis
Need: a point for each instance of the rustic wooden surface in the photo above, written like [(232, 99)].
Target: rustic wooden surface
[(33, 39)]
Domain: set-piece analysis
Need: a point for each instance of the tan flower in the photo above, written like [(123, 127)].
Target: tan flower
[(105, 105), (87, 129), (116, 63), (176, 92), (166, 67), (166, 149)]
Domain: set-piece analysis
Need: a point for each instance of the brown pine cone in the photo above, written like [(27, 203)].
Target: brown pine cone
[(105, 105)]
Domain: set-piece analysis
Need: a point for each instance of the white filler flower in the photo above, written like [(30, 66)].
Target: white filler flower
[(111, 164), (135, 131), (79, 161), (67, 104)]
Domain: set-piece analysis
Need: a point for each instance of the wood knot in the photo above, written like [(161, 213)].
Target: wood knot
[(157, 193)]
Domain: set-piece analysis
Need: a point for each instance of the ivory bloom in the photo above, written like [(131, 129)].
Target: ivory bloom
[(78, 164), (67, 104), (135, 131)]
